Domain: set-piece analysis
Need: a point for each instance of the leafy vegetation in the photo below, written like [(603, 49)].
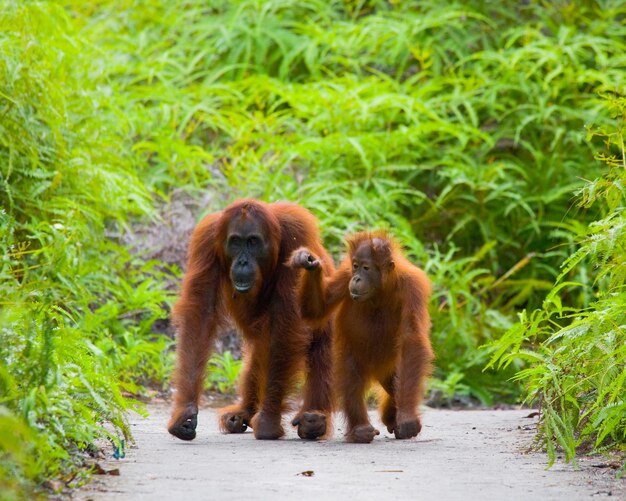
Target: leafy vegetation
[(223, 372), (459, 126), (576, 353), (77, 308)]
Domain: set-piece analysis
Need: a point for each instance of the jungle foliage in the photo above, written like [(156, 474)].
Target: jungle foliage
[(575, 355), (487, 136)]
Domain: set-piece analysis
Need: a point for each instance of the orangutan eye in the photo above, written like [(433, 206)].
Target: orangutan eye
[(254, 242), (234, 242)]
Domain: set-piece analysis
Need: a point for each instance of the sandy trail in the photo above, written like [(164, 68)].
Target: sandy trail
[(460, 455)]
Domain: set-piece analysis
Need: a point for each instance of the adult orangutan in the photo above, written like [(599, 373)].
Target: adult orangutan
[(237, 269), (381, 329)]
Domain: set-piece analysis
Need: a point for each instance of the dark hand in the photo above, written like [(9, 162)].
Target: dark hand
[(183, 423), (302, 258)]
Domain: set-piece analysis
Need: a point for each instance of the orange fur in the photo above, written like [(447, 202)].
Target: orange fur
[(385, 339), (277, 341)]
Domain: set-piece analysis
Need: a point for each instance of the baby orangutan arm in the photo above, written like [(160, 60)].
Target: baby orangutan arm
[(319, 295), (416, 356)]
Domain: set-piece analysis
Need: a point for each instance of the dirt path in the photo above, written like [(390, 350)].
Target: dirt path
[(462, 455)]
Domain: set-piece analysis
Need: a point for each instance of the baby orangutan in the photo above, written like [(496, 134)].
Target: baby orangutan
[(381, 330)]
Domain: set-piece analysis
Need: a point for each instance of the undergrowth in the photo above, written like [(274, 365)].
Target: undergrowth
[(76, 307), (575, 353), (459, 127)]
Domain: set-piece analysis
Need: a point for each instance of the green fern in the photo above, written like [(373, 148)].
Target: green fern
[(582, 382)]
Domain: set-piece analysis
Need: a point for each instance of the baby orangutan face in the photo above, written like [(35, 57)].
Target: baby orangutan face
[(368, 268), (366, 280)]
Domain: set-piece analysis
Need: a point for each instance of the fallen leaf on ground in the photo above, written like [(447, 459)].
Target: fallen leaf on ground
[(614, 465), (54, 485), (99, 470)]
